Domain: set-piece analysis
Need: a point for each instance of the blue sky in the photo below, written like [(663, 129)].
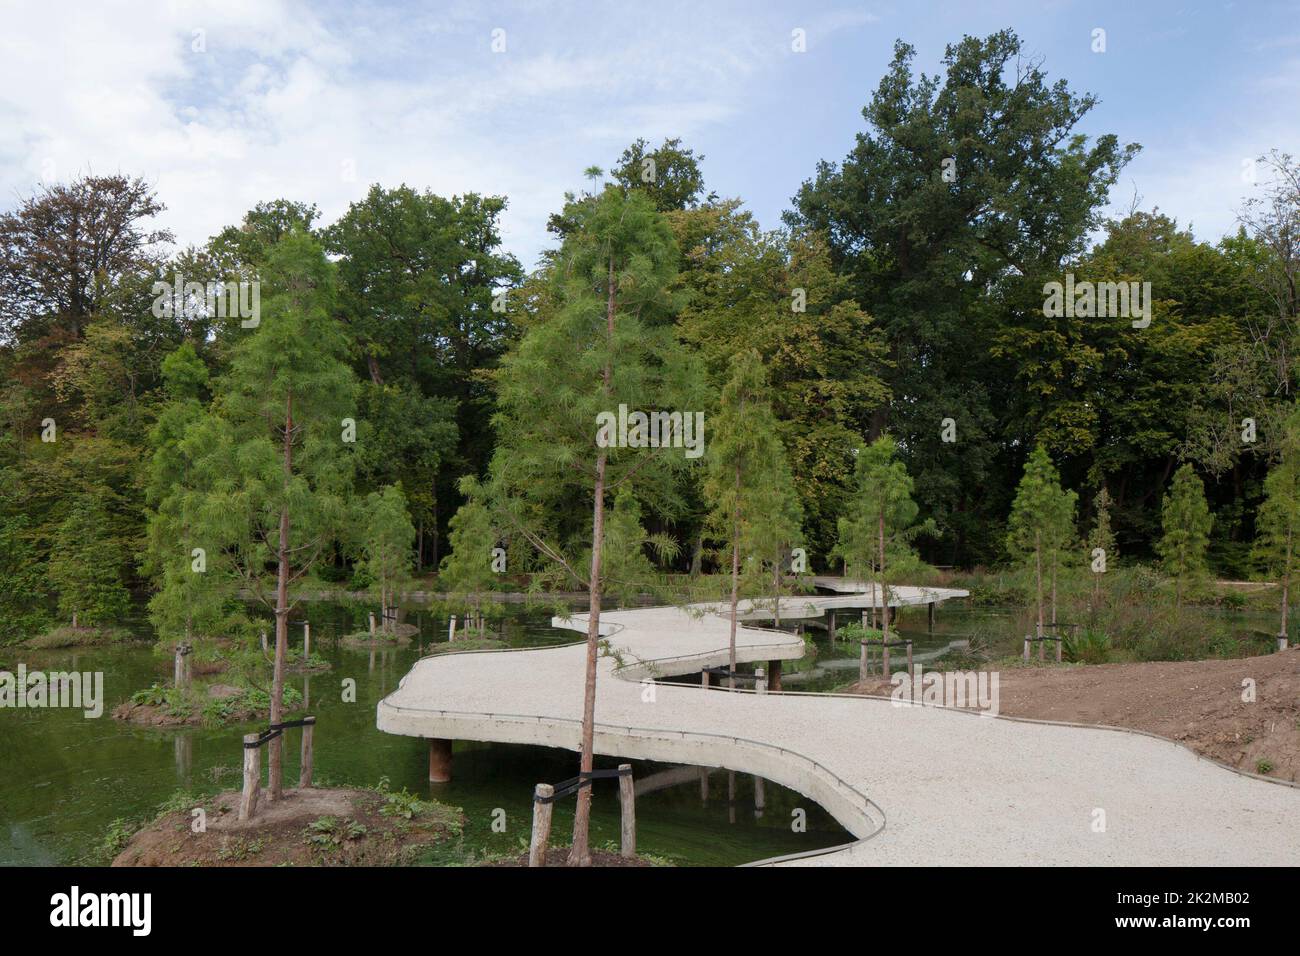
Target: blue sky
[(225, 104)]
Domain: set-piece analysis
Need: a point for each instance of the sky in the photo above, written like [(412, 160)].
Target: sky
[(222, 105)]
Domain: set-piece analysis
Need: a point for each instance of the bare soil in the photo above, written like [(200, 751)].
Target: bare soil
[(1197, 703), (314, 827)]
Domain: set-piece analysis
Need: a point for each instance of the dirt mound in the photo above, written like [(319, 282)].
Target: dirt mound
[(314, 827), (1197, 703)]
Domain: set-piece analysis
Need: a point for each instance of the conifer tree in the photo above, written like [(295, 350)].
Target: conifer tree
[(1278, 521), (1037, 517), (389, 548), (1101, 539), (600, 346), (754, 505), (875, 537), (1186, 521), (271, 461)]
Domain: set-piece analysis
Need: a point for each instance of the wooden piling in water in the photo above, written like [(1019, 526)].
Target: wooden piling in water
[(304, 775), (541, 824), (306, 641), (627, 807), (252, 777)]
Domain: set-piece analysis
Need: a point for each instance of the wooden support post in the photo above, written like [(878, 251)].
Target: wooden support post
[(1059, 642), (774, 676), (451, 629), (704, 785), (1282, 642), (627, 808), (911, 675), (179, 676), (704, 679), (760, 798), (1026, 648), (252, 778), (760, 681), (1040, 646), (831, 627), (372, 625), (930, 616), (264, 645), (541, 825), (439, 760), (884, 660), (864, 661), (304, 775)]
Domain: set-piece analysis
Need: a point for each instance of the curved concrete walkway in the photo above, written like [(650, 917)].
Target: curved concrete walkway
[(916, 785)]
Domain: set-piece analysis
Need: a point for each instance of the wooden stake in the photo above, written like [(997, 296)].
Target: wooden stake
[(911, 677), (541, 825), (1026, 649), (1059, 642), (304, 775), (372, 625), (704, 679), (451, 629), (252, 778), (180, 668), (627, 806), (760, 681), (930, 616), (264, 647), (306, 641)]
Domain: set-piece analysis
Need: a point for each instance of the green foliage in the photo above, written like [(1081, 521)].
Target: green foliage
[(754, 508), (1186, 520), (1086, 646), (389, 545), (85, 566)]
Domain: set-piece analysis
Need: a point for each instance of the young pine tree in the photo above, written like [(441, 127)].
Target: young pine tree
[(875, 537), (1186, 521), (1037, 517), (389, 548), (602, 337), (754, 505), (272, 468), (1278, 520), (467, 573), (1101, 544)]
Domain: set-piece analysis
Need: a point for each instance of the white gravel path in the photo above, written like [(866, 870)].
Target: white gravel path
[(920, 785)]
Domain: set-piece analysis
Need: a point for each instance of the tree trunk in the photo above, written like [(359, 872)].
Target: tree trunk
[(1286, 583), (281, 612), (884, 597), (735, 581), (1038, 579), (580, 853)]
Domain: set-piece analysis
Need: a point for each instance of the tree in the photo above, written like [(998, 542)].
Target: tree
[(1040, 516), (64, 249), (876, 535), (389, 541), (602, 347), (1278, 521), (86, 568), (754, 507), (1186, 520), (965, 188), (1102, 540), (22, 581), (271, 472), (467, 572)]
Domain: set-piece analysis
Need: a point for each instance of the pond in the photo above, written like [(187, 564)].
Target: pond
[(67, 778)]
